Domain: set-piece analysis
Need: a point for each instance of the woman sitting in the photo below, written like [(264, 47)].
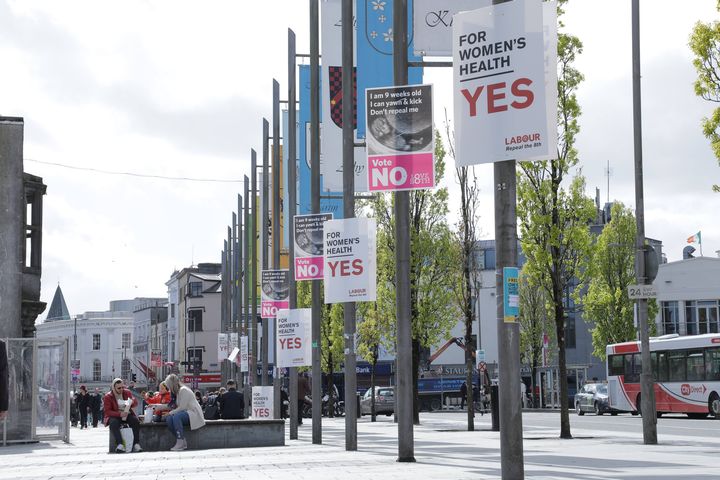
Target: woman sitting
[(186, 412), (161, 401)]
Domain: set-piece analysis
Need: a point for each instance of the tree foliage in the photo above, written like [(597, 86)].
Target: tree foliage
[(533, 323), (555, 213), (705, 45), (434, 268), (606, 303)]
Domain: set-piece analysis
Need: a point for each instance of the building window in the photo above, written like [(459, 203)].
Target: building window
[(195, 289), (96, 341), (194, 321), (125, 370), (570, 331), (126, 340), (708, 316), (195, 358), (97, 370), (670, 317), (172, 310), (691, 318)]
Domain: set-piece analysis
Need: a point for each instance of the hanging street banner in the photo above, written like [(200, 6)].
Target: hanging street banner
[(294, 330), (331, 165), (156, 359), (433, 21), (304, 189), (500, 99), (308, 238), (244, 364), (511, 294), (374, 50), (262, 402), (223, 346), (275, 292), (350, 260), (400, 140)]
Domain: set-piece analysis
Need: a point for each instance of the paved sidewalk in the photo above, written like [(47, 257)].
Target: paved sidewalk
[(442, 449)]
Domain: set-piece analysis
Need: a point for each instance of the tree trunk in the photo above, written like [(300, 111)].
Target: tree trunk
[(560, 331), (331, 383), (373, 416)]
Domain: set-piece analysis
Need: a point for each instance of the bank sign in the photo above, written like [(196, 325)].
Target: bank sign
[(499, 81)]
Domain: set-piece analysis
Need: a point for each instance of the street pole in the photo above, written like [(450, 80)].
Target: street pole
[(291, 210), (404, 398), (647, 393), (264, 229), (231, 313), (511, 441), (245, 276), (252, 341), (348, 155), (276, 240), (315, 204)]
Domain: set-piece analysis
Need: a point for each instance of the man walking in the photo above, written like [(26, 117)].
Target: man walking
[(95, 401), (83, 403), (302, 392)]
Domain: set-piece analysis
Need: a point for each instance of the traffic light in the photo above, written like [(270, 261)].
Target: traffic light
[(134, 377), (650, 257)]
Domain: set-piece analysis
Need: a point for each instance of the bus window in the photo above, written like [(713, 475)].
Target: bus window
[(616, 365), (662, 372), (629, 375), (695, 365), (712, 364), (676, 366)]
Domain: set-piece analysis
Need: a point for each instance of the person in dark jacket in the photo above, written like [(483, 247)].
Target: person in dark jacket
[(463, 394), (232, 403), (3, 381), (302, 392), (95, 401), (83, 403)]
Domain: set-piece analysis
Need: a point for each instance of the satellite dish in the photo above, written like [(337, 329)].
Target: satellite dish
[(688, 252)]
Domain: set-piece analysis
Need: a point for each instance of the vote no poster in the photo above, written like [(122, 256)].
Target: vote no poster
[(350, 260), (262, 402), (308, 237), (500, 102), (293, 338), (275, 286), (400, 140)]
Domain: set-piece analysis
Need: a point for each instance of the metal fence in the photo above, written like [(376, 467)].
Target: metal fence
[(39, 390)]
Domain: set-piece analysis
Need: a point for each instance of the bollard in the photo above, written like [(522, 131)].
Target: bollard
[(495, 407)]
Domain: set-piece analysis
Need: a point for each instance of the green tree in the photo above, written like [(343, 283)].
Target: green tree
[(606, 303), (705, 45), (554, 213), (469, 281), (433, 269), (369, 339), (533, 325)]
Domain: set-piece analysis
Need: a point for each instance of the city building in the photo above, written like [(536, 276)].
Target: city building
[(688, 296), (149, 329), (197, 310)]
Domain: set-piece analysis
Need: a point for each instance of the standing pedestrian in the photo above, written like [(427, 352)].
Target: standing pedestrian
[(83, 403), (463, 395), (95, 401), (302, 392), (3, 381)]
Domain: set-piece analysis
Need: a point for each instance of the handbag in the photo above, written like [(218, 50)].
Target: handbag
[(148, 417), (127, 437)]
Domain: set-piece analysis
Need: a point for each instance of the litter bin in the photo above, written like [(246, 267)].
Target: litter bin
[(495, 407)]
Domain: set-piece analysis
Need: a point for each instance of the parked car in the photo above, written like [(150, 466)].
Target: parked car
[(593, 397), (384, 401)]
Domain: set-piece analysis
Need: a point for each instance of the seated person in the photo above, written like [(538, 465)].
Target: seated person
[(118, 406), (161, 401), (232, 403), (187, 411)]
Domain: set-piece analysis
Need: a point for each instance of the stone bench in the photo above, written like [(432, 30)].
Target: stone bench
[(155, 436)]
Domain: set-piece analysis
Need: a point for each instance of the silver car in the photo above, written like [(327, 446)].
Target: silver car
[(593, 397), (384, 401)]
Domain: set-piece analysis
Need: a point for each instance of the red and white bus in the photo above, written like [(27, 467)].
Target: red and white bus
[(686, 372)]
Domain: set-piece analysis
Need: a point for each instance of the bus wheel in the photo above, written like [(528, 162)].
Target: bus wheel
[(714, 404)]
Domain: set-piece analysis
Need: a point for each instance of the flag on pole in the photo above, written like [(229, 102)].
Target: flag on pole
[(695, 239)]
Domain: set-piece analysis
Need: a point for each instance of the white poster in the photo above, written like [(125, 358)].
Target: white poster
[(308, 238), (499, 82), (331, 165), (262, 402), (223, 346), (433, 21), (294, 330), (350, 260), (244, 365)]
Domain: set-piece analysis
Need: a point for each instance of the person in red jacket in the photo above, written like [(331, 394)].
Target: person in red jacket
[(118, 406), (161, 401)]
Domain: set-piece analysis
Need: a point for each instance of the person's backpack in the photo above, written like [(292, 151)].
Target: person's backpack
[(212, 409)]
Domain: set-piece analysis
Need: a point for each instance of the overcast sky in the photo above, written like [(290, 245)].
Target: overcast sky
[(179, 89)]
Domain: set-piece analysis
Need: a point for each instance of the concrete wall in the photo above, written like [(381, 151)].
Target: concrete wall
[(12, 216)]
